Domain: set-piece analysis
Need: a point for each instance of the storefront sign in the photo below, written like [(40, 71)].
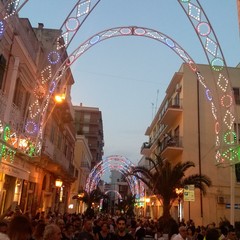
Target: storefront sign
[(188, 193)]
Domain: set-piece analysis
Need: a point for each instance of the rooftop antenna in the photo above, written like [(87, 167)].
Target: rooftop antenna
[(156, 102), (152, 110)]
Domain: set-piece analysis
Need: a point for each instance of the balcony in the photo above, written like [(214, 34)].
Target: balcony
[(171, 147), (172, 112), (145, 149)]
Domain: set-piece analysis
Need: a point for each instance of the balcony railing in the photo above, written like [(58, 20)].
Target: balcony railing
[(171, 142), (145, 148), (171, 146)]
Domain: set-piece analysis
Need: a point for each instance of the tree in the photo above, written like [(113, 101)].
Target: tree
[(130, 202), (164, 178), (127, 205), (89, 198)]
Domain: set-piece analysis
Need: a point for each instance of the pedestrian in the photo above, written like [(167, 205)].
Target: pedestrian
[(212, 234), (52, 232), (121, 233), (3, 227), (38, 231), (182, 235), (87, 231), (68, 234), (104, 233), (20, 228), (231, 234), (141, 232)]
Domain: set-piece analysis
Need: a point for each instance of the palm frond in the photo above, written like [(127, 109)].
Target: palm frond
[(199, 181)]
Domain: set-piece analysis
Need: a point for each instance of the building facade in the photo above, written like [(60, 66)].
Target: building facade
[(82, 163), (88, 122), (26, 180), (183, 130)]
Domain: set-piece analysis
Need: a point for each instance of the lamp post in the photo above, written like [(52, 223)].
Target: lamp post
[(58, 185), (147, 201), (179, 192)]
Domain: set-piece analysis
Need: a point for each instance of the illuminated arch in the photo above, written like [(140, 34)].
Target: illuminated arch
[(120, 164), (116, 192), (224, 115), (223, 123)]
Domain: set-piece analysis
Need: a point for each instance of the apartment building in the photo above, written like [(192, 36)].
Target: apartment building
[(82, 162), (28, 179), (183, 130), (88, 122)]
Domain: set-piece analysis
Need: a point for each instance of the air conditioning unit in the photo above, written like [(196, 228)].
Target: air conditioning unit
[(221, 200)]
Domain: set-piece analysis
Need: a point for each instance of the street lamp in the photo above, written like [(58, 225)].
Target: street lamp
[(58, 198), (179, 192), (59, 98), (147, 201), (58, 183)]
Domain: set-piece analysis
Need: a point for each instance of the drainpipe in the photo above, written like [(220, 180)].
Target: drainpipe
[(199, 149)]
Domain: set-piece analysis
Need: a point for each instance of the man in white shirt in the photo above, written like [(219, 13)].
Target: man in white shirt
[(182, 235)]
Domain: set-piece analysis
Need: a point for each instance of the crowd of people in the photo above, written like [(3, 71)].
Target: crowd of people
[(18, 226)]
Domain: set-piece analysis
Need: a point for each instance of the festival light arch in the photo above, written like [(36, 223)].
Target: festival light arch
[(222, 107), (224, 120), (120, 164), (116, 192)]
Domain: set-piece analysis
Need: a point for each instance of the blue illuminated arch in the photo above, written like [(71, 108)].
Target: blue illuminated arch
[(224, 115), (120, 164)]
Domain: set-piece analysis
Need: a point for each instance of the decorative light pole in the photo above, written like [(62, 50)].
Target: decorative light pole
[(179, 192), (58, 185)]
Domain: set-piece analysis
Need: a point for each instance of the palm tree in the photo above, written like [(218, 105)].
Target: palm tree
[(130, 202), (89, 198), (164, 178), (127, 205)]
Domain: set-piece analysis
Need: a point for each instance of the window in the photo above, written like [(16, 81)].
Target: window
[(85, 129), (2, 70), (87, 117), (236, 94), (237, 130), (52, 134), (237, 171), (19, 93)]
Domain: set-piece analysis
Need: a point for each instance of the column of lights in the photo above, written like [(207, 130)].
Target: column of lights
[(182, 1), (191, 14), (2, 28), (39, 91), (54, 56), (13, 5), (217, 64), (180, 52), (11, 8), (46, 74)]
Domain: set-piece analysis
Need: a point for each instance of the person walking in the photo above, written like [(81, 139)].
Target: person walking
[(20, 228), (52, 232), (182, 235), (87, 231), (104, 233), (121, 233)]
